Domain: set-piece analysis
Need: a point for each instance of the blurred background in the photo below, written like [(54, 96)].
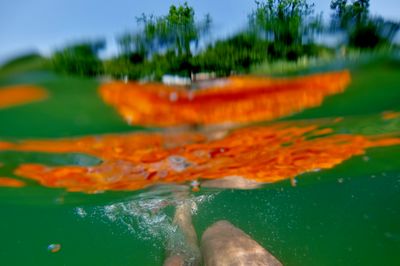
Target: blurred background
[(146, 40)]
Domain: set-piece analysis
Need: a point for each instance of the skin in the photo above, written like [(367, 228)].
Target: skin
[(183, 220), (222, 243), (232, 182)]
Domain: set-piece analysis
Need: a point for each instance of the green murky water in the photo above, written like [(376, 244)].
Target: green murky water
[(348, 215)]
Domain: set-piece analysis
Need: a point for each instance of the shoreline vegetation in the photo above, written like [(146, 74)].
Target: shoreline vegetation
[(279, 39)]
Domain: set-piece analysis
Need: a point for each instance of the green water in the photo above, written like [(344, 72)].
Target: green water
[(348, 215)]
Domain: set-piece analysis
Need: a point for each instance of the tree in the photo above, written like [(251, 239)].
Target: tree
[(349, 15), (181, 28), (164, 43), (132, 47), (287, 23), (178, 31), (363, 31), (233, 55), (79, 59)]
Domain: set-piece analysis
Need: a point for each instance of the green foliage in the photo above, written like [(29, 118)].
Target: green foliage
[(180, 28), (278, 31), (349, 15), (313, 56), (235, 54), (160, 64), (79, 59), (25, 62), (363, 31), (164, 45), (178, 31), (121, 67), (21, 59), (132, 44), (287, 23), (170, 63), (365, 36)]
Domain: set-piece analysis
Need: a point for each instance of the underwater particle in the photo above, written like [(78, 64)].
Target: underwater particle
[(80, 212), (338, 119), (195, 186), (340, 180), (365, 158), (293, 182), (391, 236), (59, 200), (54, 248)]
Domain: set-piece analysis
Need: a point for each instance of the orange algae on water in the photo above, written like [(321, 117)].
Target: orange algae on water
[(256, 153), (122, 146), (21, 94), (236, 99), (10, 182), (390, 115)]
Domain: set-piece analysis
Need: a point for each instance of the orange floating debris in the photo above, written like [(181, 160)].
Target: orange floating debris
[(10, 182), (235, 99), (390, 115), (135, 161), (21, 94)]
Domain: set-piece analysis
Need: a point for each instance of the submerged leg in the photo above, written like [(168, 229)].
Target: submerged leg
[(186, 252), (224, 244)]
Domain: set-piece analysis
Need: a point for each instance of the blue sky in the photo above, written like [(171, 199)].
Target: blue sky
[(44, 25)]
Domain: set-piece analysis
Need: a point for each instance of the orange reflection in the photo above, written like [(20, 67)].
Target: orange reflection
[(130, 162), (21, 94), (10, 182), (238, 99)]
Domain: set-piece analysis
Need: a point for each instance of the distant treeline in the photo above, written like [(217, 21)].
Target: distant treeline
[(276, 30)]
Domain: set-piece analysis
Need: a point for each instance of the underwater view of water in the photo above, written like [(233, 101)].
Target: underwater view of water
[(328, 174)]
